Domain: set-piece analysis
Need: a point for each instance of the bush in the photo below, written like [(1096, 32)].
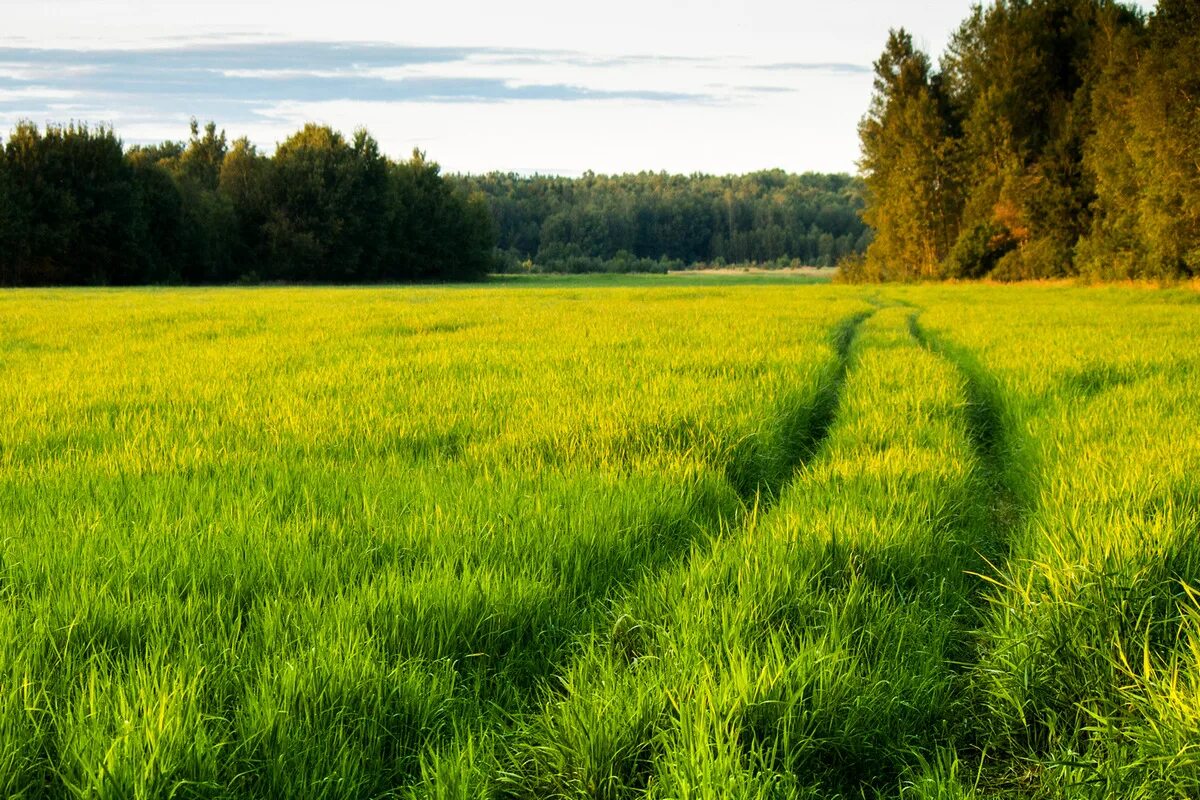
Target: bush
[(978, 250)]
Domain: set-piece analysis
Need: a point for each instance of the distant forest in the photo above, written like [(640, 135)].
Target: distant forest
[(651, 221), (77, 208), (1055, 138)]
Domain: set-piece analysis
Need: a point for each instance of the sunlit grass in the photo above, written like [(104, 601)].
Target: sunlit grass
[(583, 539)]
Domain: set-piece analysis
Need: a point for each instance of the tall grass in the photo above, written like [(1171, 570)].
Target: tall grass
[(1087, 679), (298, 542), (582, 539)]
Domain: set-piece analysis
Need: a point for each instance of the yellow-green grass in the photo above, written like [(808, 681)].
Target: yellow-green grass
[(1088, 681), (661, 538)]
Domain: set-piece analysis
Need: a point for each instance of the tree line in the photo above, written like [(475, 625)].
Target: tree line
[(1054, 138), (651, 221), (76, 207)]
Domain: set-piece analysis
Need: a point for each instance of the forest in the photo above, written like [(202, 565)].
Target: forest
[(648, 221), (1054, 138), (77, 208)]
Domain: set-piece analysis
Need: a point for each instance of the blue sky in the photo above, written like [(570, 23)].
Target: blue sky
[(526, 85)]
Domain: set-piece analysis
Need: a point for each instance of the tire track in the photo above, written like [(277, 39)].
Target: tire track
[(802, 430), (759, 481), (892, 528), (995, 444), (916, 598), (1002, 463), (872, 644), (914, 595)]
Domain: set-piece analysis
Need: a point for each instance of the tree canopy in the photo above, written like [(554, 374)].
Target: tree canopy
[(632, 222), (77, 208), (1054, 138)]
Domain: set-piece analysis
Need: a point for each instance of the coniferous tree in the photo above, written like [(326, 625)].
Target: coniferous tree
[(1072, 132), (1165, 140), (1021, 76), (1114, 246), (909, 165)]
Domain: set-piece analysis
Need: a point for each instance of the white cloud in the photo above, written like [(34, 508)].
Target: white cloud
[(680, 85)]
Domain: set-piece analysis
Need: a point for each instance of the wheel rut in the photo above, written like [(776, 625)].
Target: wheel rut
[(896, 574), (897, 526), (999, 451), (801, 432), (995, 443), (799, 435)]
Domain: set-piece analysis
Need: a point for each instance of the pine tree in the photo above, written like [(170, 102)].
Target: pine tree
[(910, 167), (1165, 141)]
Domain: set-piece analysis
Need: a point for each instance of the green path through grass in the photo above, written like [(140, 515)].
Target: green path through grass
[(821, 647)]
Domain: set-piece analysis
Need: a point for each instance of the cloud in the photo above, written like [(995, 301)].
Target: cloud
[(235, 80), (817, 66), (764, 89), (549, 104), (237, 55)]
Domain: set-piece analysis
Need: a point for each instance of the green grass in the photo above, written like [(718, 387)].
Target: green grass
[(600, 538), (688, 277)]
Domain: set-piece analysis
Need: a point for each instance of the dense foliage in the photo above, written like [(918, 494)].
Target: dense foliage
[(645, 222), (1056, 138), (76, 208)]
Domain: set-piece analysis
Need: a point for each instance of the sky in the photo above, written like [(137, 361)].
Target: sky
[(522, 86)]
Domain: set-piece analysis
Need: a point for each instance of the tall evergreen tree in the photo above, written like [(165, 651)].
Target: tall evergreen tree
[(1069, 144), (909, 164), (1114, 246), (1020, 79), (1165, 140)]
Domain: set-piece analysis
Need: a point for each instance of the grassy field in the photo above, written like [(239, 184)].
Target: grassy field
[(679, 537)]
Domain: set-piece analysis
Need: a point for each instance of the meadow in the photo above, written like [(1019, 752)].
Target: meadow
[(678, 537)]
